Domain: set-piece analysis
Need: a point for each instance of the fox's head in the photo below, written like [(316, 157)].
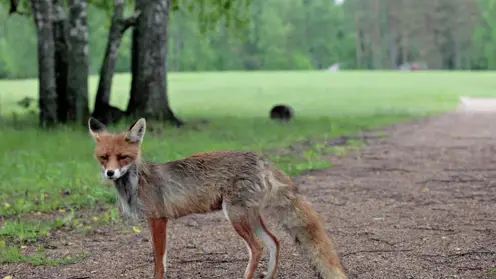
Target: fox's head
[(116, 153)]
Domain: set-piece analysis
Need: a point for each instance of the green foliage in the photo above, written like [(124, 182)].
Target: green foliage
[(16, 255), (27, 231), (251, 35), (16, 60), (208, 13), (485, 37)]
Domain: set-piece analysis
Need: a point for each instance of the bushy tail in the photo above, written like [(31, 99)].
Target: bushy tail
[(306, 227)]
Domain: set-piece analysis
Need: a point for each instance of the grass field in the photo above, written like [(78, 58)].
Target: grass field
[(54, 172)]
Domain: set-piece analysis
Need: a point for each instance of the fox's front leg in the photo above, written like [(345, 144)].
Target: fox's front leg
[(158, 229)]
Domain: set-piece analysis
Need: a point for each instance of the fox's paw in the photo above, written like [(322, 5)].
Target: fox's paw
[(264, 275)]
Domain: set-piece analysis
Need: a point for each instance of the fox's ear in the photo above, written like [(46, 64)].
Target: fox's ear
[(136, 131), (96, 128)]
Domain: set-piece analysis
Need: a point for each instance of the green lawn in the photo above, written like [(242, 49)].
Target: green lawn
[(55, 171)]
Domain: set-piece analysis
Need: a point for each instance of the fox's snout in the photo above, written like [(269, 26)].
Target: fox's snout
[(113, 174), (109, 173)]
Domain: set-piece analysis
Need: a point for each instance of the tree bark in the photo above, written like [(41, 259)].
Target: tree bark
[(43, 17), (149, 63), (103, 111), (376, 36), (61, 56), (393, 34), (77, 93)]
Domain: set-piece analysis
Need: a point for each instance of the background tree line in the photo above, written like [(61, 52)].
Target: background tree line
[(294, 34), (71, 39)]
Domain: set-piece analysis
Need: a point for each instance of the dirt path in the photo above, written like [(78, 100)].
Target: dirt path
[(419, 204)]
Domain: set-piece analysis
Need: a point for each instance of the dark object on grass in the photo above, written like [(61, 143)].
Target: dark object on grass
[(26, 102), (282, 113)]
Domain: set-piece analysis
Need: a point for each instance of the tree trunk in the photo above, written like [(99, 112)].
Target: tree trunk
[(405, 48), (61, 56), (77, 92), (103, 111), (393, 34), (358, 43), (376, 39), (149, 63), (43, 13)]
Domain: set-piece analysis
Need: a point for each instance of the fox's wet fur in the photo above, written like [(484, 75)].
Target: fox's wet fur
[(241, 183)]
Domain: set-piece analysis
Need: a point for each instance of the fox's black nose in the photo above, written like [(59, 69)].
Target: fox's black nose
[(110, 173)]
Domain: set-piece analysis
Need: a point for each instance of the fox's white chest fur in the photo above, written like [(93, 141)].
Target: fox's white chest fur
[(127, 193)]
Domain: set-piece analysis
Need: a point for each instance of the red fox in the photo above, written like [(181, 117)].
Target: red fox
[(242, 184)]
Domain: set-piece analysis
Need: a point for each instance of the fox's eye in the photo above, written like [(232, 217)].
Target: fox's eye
[(122, 157), (104, 157)]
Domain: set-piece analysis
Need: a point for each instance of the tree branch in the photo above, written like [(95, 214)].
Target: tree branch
[(130, 21)]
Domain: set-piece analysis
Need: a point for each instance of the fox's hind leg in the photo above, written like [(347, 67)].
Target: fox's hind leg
[(272, 244), (244, 224)]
